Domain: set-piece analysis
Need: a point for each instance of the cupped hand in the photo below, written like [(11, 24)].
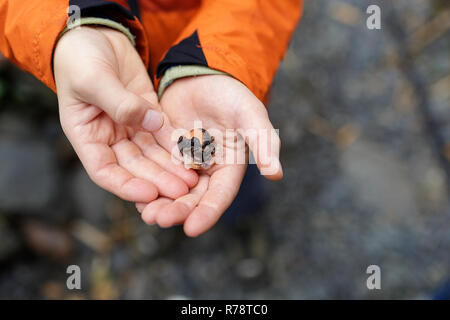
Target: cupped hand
[(237, 119), (108, 109)]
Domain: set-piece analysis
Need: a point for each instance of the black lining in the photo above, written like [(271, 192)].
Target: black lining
[(187, 52), (102, 9), (134, 7)]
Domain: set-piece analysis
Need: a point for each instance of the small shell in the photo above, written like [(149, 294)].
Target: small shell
[(197, 148)]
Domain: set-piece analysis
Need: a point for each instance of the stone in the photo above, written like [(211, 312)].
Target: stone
[(48, 240), (28, 175)]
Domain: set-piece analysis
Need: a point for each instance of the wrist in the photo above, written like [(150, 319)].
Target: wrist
[(88, 43), (91, 31), (88, 36)]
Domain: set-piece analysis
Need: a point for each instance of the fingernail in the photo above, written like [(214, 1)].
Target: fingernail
[(280, 166), (153, 120), (276, 166)]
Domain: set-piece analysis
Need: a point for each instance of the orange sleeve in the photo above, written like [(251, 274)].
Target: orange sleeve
[(29, 30), (244, 38)]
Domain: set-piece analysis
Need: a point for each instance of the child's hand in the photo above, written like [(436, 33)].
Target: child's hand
[(221, 103), (107, 107)]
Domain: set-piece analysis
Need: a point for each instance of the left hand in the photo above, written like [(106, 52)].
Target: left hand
[(220, 103)]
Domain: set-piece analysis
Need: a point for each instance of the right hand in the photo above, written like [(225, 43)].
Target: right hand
[(228, 107), (108, 107)]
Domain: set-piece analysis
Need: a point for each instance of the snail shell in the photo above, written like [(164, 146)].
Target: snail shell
[(197, 148)]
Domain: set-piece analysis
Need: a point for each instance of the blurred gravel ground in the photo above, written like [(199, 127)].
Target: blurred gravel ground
[(364, 118)]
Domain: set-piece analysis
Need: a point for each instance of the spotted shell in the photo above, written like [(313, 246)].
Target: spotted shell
[(197, 148)]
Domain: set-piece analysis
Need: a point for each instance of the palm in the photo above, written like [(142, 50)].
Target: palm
[(216, 110), (220, 103), (120, 158)]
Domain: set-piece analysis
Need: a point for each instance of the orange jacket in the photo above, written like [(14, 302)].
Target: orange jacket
[(244, 38)]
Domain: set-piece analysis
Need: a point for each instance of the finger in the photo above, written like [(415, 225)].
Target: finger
[(122, 105), (222, 189), (167, 137), (101, 165), (143, 86), (263, 141), (177, 211), (160, 156), (151, 210), (130, 157), (140, 206)]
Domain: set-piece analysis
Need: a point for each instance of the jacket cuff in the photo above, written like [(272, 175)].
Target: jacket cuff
[(102, 22), (183, 71)]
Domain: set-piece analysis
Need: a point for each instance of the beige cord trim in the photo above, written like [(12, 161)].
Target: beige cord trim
[(101, 22), (178, 72)]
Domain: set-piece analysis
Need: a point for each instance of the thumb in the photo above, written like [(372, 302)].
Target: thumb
[(263, 141), (122, 105)]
